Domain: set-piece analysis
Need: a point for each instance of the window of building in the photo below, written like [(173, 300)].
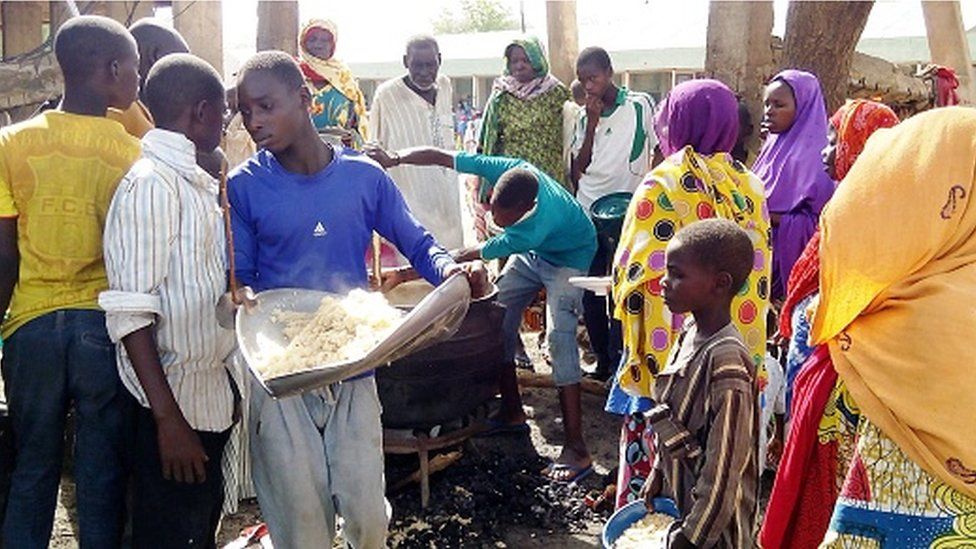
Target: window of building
[(656, 84)]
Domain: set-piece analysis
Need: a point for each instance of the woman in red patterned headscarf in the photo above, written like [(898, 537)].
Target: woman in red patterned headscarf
[(824, 417)]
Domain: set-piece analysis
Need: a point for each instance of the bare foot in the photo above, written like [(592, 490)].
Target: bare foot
[(569, 466)]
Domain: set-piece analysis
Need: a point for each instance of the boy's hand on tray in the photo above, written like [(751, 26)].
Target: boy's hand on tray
[(476, 274), (245, 296), (651, 488), (228, 304)]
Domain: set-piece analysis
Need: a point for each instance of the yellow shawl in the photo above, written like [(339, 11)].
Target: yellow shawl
[(685, 188), (897, 289), (333, 70)]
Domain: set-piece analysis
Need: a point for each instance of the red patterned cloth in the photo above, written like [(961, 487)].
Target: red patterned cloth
[(636, 458), (805, 489), (946, 83)]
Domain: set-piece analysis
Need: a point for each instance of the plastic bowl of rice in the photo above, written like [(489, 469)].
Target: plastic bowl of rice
[(625, 525)]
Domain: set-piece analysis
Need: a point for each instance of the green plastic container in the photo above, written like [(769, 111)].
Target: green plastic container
[(608, 214)]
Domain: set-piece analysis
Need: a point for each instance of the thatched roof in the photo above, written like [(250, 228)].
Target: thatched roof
[(895, 85)]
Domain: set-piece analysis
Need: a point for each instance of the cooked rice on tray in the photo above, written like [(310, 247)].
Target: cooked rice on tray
[(342, 329)]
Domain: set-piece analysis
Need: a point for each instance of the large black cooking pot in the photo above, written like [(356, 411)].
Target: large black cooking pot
[(449, 380)]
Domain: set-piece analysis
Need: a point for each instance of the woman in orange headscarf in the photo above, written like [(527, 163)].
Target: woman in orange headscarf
[(824, 417), (897, 280), (337, 101)]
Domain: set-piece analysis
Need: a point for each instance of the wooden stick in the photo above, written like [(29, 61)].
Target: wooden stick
[(228, 231), (377, 249), (438, 463), (535, 379)]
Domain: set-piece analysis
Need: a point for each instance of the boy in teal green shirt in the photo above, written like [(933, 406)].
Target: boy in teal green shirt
[(548, 238)]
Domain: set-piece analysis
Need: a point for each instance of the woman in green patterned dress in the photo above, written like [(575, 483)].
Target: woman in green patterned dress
[(523, 118)]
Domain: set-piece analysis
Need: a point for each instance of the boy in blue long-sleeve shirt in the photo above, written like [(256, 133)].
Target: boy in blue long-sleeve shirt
[(548, 239), (303, 213)]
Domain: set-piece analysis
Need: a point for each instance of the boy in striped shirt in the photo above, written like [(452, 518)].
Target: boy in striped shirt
[(706, 418), (165, 258)]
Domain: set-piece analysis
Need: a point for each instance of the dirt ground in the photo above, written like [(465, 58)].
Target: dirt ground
[(542, 408)]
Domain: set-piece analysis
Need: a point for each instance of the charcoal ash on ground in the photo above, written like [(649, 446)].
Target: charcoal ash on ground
[(476, 500)]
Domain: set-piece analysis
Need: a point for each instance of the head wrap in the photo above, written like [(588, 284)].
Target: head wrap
[(701, 113), (854, 123), (332, 70), (789, 163), (791, 167), (539, 85), (686, 187), (507, 84)]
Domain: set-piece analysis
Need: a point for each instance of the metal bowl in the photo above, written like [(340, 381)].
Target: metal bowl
[(436, 318), (629, 514)]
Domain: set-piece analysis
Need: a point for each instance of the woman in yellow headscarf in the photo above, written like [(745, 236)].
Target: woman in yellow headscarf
[(696, 126), (897, 282), (337, 101)]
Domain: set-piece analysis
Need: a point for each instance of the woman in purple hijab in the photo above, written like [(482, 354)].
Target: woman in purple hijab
[(696, 126), (789, 163)]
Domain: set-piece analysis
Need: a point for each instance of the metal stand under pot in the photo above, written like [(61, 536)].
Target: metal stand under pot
[(437, 397)]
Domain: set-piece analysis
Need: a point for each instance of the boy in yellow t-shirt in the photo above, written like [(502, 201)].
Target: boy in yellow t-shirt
[(58, 173), (154, 41)]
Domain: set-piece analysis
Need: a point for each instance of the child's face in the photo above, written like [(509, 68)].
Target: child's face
[(687, 285), (272, 112), (506, 217), (595, 80), (780, 107)]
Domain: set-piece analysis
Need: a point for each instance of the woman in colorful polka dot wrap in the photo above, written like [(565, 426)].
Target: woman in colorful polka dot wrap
[(696, 127)]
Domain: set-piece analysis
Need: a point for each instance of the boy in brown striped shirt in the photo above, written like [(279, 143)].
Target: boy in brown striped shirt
[(706, 418)]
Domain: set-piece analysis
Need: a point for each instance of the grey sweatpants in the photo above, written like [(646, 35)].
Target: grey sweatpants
[(318, 455)]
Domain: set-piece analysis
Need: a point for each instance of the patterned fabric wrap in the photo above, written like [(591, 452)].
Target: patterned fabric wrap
[(636, 458), (854, 123), (685, 188), (889, 501), (818, 448), (506, 89), (331, 109), (532, 130), (331, 70)]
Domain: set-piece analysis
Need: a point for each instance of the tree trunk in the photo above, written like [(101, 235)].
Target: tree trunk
[(820, 38), (202, 26), (563, 38), (278, 26), (739, 51), (22, 23)]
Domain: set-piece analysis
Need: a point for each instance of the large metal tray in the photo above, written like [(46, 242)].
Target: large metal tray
[(436, 318)]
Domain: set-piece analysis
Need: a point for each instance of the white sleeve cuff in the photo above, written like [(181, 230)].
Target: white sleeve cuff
[(126, 312)]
